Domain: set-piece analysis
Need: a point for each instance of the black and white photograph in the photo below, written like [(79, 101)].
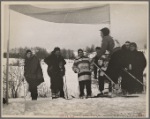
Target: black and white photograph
[(75, 59)]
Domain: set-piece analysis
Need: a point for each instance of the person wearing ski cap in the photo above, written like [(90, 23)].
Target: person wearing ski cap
[(83, 67), (33, 73), (56, 71)]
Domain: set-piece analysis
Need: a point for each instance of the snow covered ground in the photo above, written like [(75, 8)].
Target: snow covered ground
[(92, 107), (75, 107)]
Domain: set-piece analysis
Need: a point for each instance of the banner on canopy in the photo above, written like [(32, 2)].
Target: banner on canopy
[(91, 15)]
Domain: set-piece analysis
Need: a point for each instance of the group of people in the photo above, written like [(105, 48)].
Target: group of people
[(56, 70), (125, 61), (120, 62), (133, 61), (112, 64)]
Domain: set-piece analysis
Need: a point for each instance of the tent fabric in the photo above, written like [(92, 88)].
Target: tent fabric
[(90, 15)]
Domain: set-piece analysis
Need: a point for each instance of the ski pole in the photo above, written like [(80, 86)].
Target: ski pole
[(133, 76), (104, 73), (112, 83), (66, 87)]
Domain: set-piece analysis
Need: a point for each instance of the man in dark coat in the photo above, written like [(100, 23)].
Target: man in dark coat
[(56, 71), (125, 82), (136, 64), (33, 73), (116, 64)]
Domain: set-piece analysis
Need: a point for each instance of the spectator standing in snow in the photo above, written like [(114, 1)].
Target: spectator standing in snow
[(102, 63), (82, 65), (119, 60), (33, 73), (116, 64), (135, 64), (56, 71)]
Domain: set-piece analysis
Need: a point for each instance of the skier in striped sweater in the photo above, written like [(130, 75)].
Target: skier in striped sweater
[(83, 66)]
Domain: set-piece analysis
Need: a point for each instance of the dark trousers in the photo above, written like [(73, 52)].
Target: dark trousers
[(101, 83), (114, 75), (57, 85), (86, 83), (61, 88), (33, 90), (110, 86)]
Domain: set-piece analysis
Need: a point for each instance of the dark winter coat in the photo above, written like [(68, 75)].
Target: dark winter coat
[(55, 64), (117, 61), (32, 71), (96, 60), (138, 62), (56, 70)]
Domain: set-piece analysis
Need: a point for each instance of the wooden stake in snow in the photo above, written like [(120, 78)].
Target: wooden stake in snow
[(7, 63)]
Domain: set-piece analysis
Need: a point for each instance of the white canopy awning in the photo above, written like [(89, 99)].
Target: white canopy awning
[(97, 14)]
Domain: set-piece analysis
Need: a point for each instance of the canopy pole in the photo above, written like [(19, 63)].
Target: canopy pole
[(7, 63)]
